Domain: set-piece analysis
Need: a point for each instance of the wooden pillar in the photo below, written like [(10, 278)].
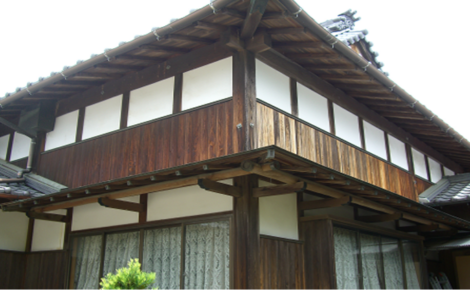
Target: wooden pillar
[(319, 252), (244, 99), (246, 235)]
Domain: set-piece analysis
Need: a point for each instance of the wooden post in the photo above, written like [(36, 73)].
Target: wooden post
[(124, 109), (81, 120), (244, 100), (178, 94), (331, 116), (294, 100), (10, 145), (246, 240)]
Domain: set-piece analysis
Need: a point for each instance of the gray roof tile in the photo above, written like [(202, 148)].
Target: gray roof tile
[(449, 190)]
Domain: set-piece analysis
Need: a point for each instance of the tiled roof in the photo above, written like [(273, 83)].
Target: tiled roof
[(33, 186), (449, 190)]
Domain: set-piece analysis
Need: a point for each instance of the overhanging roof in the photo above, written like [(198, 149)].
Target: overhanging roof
[(294, 34), (449, 190)]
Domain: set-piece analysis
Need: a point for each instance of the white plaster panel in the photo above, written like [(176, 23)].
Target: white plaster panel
[(397, 152), (14, 230), (448, 172), (151, 102), (186, 201), (48, 236), (272, 87), (375, 140), (207, 84), (93, 215), (435, 170), (4, 146), (347, 125), (65, 131), (20, 147), (313, 107), (102, 117), (419, 163)]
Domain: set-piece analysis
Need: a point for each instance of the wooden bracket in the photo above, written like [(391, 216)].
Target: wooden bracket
[(119, 204), (379, 218), (279, 189), (419, 228), (259, 43), (231, 39), (325, 203), (218, 187), (48, 217)]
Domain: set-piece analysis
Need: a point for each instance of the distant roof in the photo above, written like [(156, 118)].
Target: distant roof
[(449, 190), (33, 186)]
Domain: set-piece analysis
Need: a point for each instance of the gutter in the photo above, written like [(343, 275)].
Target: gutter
[(145, 39), (304, 19)]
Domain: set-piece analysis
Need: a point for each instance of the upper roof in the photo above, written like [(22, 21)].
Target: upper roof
[(449, 190), (294, 34)]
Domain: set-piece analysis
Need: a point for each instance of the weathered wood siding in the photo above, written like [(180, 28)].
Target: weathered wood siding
[(181, 139), (282, 264), (12, 265), (275, 128)]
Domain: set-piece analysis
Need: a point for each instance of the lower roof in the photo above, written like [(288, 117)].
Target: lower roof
[(449, 190)]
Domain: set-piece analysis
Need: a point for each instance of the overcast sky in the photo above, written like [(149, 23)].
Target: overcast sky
[(423, 44)]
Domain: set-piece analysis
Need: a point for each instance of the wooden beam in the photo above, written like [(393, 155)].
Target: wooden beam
[(259, 43), (297, 44), (253, 17), (275, 15), (190, 38), (120, 66), (279, 189), (210, 26), (232, 39), (420, 228), (379, 218), (286, 31), (141, 58), (312, 55), (324, 203), (48, 217), (161, 48), (218, 187), (120, 204), (99, 75), (233, 13)]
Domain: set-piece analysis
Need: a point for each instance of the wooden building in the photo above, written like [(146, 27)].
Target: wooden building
[(242, 146)]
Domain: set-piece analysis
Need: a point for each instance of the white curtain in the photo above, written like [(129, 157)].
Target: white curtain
[(207, 255), (372, 269), (119, 249), (347, 274), (411, 265), (392, 264), (162, 255), (87, 263)]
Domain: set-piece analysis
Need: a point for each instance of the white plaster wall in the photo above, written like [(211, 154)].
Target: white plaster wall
[(347, 125), (186, 201), (151, 102), (65, 131), (272, 87), (313, 107), (448, 172), (397, 152), (419, 163), (93, 215), (20, 147), (375, 140), (14, 230), (4, 146), (207, 84), (47, 235), (102, 117), (435, 169)]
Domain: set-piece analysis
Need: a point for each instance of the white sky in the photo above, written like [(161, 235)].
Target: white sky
[(423, 44)]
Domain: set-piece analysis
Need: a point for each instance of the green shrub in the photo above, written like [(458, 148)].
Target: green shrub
[(128, 278)]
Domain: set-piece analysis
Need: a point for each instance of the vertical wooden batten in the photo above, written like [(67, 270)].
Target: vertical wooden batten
[(387, 147), (294, 99), (81, 120), (10, 145), (178, 94), (29, 236), (361, 133), (246, 240), (331, 117), (244, 99), (124, 109)]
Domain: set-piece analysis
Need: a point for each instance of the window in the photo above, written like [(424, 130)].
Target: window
[(206, 260), (375, 262)]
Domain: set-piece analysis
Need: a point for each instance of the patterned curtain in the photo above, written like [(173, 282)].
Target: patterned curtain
[(120, 248), (162, 255), (347, 274), (392, 264), (372, 269), (411, 265), (207, 256), (88, 260)]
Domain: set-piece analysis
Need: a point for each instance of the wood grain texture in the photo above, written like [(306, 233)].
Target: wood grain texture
[(275, 128), (12, 266), (177, 140)]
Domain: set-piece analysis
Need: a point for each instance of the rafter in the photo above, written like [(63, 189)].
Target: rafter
[(253, 17), (279, 189), (218, 187), (119, 204)]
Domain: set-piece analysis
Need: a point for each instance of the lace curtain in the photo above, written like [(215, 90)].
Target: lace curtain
[(162, 255), (372, 269), (347, 275), (87, 262), (120, 248), (411, 265), (392, 264), (207, 255)]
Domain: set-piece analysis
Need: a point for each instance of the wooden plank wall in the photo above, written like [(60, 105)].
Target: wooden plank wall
[(275, 128), (189, 137), (281, 264), (12, 266)]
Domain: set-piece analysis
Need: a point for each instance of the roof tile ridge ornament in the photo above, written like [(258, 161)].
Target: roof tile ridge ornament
[(344, 21)]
